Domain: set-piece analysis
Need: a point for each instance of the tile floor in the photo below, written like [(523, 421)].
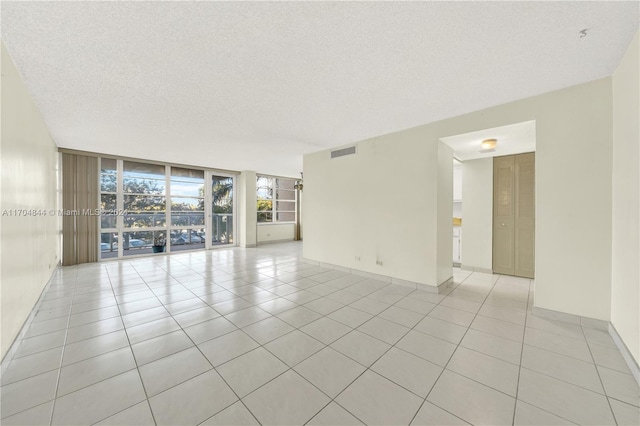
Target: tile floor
[(258, 336)]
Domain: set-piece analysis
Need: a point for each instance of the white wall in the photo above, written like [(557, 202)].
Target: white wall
[(477, 223), (625, 254), (457, 182), (379, 205), (247, 215), (276, 232), (444, 211), (29, 244), (574, 146)]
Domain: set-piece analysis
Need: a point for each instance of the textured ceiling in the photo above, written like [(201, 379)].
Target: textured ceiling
[(512, 139), (256, 85)]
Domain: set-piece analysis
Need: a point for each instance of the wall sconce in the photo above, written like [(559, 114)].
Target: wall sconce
[(298, 184)]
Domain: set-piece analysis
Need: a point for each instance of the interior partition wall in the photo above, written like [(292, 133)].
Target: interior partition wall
[(149, 208)]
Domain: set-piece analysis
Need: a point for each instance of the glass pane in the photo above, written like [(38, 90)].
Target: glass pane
[(144, 211), (137, 243), (107, 165), (284, 194), (286, 206), (108, 182), (144, 170), (107, 202), (191, 174), (189, 189), (108, 245), (222, 191), (222, 227), (286, 183), (264, 187), (286, 217), (184, 204), (139, 185), (187, 239), (108, 221), (187, 218), (265, 217)]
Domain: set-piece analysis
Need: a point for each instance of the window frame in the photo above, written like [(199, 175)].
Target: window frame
[(274, 211)]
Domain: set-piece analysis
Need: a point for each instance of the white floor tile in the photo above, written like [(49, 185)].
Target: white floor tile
[(427, 347), (361, 347), (85, 373), (563, 399), (235, 414), (407, 370), (383, 329), (333, 415), (249, 371), (329, 371), (32, 365), (294, 347), (493, 372), (287, 400), (504, 349), (528, 415), (36, 416), (226, 347), (267, 330), (620, 386), (326, 330), (28, 393), (562, 367), (375, 400), (472, 401), (164, 373), (432, 415), (444, 330), (161, 346), (99, 401), (627, 415), (139, 415), (193, 401)]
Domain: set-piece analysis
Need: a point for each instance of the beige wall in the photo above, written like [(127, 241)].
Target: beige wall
[(276, 232), (625, 254), (376, 206), (29, 244), (477, 219), (573, 190)]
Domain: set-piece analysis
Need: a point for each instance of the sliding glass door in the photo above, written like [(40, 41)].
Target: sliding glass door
[(150, 208)]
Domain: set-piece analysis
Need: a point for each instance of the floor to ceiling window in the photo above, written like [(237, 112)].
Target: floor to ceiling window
[(149, 208)]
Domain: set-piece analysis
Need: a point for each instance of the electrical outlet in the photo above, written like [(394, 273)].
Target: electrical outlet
[(357, 258), (379, 262)]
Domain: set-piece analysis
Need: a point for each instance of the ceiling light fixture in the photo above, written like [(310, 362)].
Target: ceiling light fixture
[(489, 143)]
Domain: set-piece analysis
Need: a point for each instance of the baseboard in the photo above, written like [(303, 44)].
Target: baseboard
[(248, 245), (597, 324), (475, 269), (285, 240), (385, 278), (626, 353), (8, 357)]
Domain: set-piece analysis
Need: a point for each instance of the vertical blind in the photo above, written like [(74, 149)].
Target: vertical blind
[(80, 199)]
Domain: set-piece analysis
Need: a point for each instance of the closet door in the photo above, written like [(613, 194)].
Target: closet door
[(503, 215), (514, 215), (525, 215)]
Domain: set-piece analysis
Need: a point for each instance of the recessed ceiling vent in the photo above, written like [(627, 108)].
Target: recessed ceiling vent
[(342, 152)]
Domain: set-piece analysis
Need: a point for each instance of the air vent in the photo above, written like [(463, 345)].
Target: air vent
[(342, 152)]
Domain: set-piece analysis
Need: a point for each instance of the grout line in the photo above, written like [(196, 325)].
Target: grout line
[(606, 396), (524, 330)]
